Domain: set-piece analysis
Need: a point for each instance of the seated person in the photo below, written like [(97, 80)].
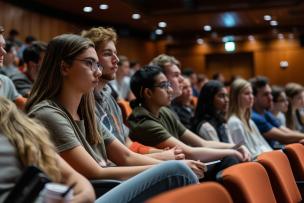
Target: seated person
[(210, 120), (280, 104), (182, 106), (267, 124), (295, 95), (24, 142), (62, 99), (107, 110), (153, 124), (241, 127)]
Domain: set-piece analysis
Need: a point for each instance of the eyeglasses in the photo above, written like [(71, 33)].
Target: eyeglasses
[(92, 64), (163, 85)]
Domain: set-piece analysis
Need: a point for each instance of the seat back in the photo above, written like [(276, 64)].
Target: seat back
[(204, 192), (281, 177), (295, 154), (125, 109), (247, 182)]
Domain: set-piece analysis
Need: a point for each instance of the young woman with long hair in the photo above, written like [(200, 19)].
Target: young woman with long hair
[(62, 98), (241, 127), (24, 142)]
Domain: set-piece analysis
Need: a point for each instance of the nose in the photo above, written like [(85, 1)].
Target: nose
[(115, 58), (170, 90), (98, 72), (180, 78), (2, 51)]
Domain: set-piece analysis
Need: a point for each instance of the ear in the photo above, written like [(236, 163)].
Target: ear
[(64, 68), (147, 93)]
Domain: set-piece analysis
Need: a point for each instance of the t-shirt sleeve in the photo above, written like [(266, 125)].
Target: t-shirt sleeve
[(262, 124), (236, 130), (12, 93), (149, 133), (273, 120), (61, 131), (208, 132), (108, 137)]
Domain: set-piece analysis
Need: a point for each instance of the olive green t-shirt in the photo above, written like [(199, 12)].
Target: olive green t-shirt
[(67, 133), (149, 130)]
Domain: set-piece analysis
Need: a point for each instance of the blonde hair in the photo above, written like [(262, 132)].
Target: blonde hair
[(100, 35), (237, 87), (30, 139), (164, 60), (292, 90)]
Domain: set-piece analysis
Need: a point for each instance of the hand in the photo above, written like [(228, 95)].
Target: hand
[(245, 153), (301, 141), (197, 167), (173, 153)]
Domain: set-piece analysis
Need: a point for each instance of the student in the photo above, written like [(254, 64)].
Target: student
[(24, 142), (267, 124), (152, 123), (210, 120), (107, 109), (62, 98), (242, 128), (295, 94), (7, 88), (280, 104)]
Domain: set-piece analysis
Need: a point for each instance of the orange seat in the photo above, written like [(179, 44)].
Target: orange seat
[(125, 109), (248, 183), (210, 192), (194, 101), (295, 154), (281, 177)]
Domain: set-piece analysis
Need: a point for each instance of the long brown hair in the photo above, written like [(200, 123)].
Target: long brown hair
[(64, 48), (236, 89), (30, 139)]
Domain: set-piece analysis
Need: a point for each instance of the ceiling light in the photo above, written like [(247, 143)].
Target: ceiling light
[(267, 17), (207, 28), (162, 24), (87, 9), (136, 16), (251, 38), (274, 23), (104, 6), (280, 36), (159, 31), (229, 46), (284, 64), (199, 41)]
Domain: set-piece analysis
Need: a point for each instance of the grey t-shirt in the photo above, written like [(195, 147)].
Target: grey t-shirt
[(67, 133), (7, 88), (10, 167)]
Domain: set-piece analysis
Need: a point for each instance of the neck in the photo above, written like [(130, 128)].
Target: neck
[(70, 100), (153, 109), (275, 111), (101, 84), (259, 109)]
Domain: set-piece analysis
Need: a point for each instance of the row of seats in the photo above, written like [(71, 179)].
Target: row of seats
[(275, 177)]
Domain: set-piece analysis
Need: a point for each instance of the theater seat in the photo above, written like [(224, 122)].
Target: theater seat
[(247, 183), (125, 109), (209, 192), (280, 174)]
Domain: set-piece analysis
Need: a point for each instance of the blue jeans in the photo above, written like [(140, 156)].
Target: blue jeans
[(160, 178)]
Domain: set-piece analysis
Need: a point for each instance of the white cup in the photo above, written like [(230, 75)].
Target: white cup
[(53, 193)]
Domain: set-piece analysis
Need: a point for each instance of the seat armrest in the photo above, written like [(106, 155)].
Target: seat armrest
[(104, 185)]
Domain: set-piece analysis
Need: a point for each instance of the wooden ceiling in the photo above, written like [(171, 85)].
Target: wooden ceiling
[(185, 18)]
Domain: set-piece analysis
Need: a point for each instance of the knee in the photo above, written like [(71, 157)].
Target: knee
[(179, 168)]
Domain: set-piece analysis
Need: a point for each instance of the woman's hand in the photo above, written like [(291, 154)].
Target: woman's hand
[(197, 167), (245, 153)]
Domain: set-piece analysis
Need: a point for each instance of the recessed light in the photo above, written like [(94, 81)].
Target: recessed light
[(103, 6), (251, 38), (87, 9), (230, 46), (162, 24), (274, 23), (136, 16), (199, 41), (159, 31), (267, 17), (280, 36), (207, 28)]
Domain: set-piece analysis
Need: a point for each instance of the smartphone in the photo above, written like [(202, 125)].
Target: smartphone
[(212, 162)]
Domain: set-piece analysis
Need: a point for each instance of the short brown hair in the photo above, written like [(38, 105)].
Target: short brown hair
[(163, 60), (100, 35)]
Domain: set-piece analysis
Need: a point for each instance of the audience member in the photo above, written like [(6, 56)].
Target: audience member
[(295, 95), (152, 123), (107, 109), (242, 128), (23, 142), (210, 121), (182, 105), (267, 124), (9, 64), (121, 84), (280, 104), (62, 99), (32, 56), (219, 76), (188, 72)]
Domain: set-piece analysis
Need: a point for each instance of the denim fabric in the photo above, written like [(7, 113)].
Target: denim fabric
[(160, 178)]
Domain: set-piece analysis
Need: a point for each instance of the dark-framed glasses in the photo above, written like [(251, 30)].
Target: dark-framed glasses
[(91, 63), (163, 85)]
